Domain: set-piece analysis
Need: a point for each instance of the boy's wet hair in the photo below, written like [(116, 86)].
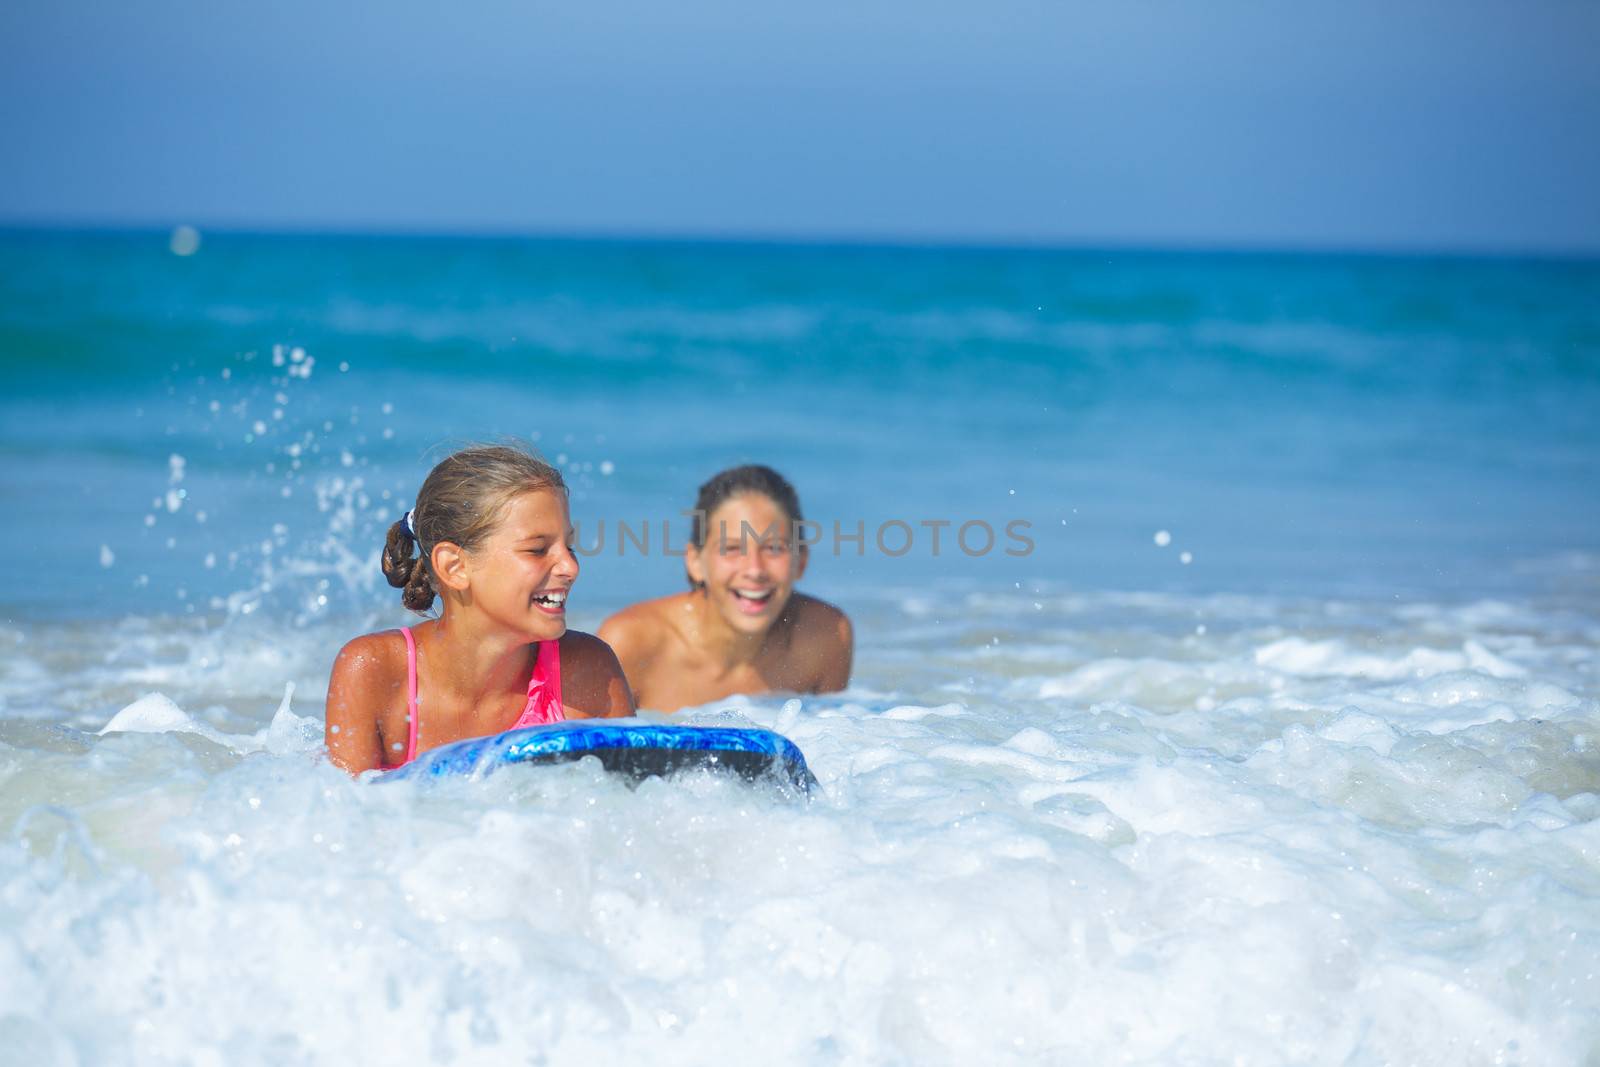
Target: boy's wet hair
[(737, 481), (460, 501)]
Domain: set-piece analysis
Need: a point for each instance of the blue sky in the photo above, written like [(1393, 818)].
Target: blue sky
[(1467, 125)]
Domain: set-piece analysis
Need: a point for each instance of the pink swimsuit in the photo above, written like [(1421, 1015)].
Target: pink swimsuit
[(544, 692)]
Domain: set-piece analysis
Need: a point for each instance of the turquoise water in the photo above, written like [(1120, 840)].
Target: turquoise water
[(1294, 421), (1277, 745)]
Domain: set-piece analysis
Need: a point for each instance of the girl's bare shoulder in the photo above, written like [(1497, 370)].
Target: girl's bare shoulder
[(372, 659), (585, 649), (592, 681), (366, 699)]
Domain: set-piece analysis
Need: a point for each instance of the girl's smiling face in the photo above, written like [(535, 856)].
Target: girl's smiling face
[(521, 573), (749, 564)]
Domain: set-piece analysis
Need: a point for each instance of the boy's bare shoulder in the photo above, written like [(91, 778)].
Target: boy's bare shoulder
[(819, 621), (824, 644), (641, 628)]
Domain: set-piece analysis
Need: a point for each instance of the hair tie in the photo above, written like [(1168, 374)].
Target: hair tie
[(405, 524)]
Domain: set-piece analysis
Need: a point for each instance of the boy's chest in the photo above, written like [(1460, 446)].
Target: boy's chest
[(689, 681)]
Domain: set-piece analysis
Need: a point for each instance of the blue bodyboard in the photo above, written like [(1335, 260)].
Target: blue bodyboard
[(636, 750)]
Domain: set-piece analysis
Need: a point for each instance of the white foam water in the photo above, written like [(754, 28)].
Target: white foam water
[(1053, 827)]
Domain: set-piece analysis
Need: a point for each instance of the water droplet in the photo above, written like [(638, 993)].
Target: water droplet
[(185, 241)]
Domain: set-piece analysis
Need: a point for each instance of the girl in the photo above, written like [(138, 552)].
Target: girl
[(493, 535), (741, 628)]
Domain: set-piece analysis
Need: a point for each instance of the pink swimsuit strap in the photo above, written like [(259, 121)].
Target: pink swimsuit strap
[(544, 689), (411, 696), (544, 692)]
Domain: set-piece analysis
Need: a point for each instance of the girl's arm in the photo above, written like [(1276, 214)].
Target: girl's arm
[(592, 683), (361, 684)]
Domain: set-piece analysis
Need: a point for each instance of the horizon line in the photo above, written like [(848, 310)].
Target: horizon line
[(819, 240)]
